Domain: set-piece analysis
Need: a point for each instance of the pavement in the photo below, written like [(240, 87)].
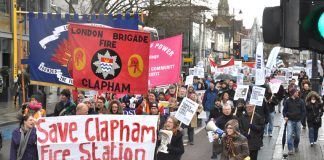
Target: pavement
[(8, 110)]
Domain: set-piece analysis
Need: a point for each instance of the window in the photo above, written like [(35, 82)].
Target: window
[(4, 6)]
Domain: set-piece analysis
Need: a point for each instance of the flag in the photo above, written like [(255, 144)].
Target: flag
[(108, 59)]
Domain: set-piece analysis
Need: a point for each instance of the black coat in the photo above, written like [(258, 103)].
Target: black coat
[(215, 113), (313, 111), (175, 148), (222, 120), (256, 130)]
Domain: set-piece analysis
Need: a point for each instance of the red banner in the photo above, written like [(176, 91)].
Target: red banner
[(109, 60)]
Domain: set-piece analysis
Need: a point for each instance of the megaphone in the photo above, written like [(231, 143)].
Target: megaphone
[(211, 126)]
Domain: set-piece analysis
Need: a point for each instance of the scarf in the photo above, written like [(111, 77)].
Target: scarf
[(23, 141), (229, 144)]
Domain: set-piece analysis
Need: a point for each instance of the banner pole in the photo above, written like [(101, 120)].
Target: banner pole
[(21, 56), (14, 37), (251, 120)]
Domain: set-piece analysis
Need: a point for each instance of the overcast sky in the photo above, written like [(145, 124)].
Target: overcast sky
[(250, 9)]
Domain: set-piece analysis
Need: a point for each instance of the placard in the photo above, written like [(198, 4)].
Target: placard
[(257, 96), (186, 111)]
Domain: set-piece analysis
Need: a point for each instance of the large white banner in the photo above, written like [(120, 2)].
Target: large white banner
[(259, 66), (257, 96), (186, 111), (247, 47), (272, 59), (241, 92), (97, 137)]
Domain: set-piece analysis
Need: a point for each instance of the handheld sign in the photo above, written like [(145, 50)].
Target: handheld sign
[(186, 111), (257, 96)]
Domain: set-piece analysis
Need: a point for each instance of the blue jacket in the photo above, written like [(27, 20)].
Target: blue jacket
[(209, 99), (31, 148)]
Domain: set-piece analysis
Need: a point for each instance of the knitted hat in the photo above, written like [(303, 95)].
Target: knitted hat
[(293, 91)]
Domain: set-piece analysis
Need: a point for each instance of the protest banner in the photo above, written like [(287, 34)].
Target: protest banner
[(97, 137), (189, 80), (259, 67), (186, 111), (199, 72), (165, 61), (274, 85), (241, 92), (129, 111), (200, 95), (50, 58), (272, 59), (191, 71), (257, 96), (240, 79), (109, 59)]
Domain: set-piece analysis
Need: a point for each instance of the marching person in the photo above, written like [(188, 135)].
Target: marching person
[(65, 106), (293, 112), (209, 98), (23, 141), (35, 108), (115, 107), (82, 109), (235, 145), (314, 112), (255, 135), (175, 148)]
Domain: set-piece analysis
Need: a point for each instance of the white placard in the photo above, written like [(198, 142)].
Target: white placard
[(202, 115), (186, 111), (240, 79), (199, 72), (241, 92), (191, 71), (189, 80), (257, 96), (166, 137)]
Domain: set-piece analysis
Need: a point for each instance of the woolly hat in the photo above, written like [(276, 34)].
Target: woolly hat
[(234, 123), (292, 91)]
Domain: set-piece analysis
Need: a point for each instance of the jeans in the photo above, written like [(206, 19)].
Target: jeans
[(293, 135), (269, 126), (312, 134)]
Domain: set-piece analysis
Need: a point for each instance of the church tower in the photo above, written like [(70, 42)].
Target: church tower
[(223, 8)]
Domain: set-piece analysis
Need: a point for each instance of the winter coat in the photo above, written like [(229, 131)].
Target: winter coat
[(256, 130), (314, 111), (31, 148), (175, 148), (215, 112), (222, 120), (71, 108), (263, 111), (294, 109), (209, 99), (304, 94), (241, 149)]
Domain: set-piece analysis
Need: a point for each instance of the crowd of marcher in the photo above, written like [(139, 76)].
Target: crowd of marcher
[(243, 123)]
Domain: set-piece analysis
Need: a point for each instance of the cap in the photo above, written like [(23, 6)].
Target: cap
[(154, 104)]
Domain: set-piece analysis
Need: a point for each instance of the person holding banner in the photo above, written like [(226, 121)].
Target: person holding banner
[(23, 141), (115, 108), (65, 106), (100, 105), (175, 148), (252, 125)]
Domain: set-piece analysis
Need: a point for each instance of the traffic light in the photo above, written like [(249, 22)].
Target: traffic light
[(313, 24), (296, 24)]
